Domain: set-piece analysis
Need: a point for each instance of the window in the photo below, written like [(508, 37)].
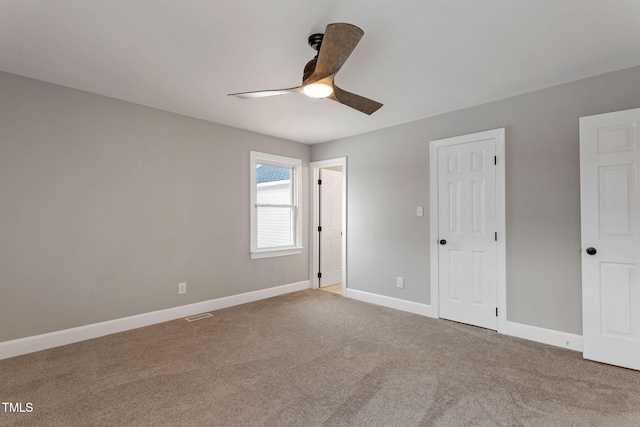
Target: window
[(275, 209)]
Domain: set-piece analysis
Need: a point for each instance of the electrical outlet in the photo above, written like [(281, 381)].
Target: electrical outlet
[(182, 288), (400, 282)]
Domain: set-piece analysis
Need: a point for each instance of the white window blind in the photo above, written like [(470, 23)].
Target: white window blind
[(275, 219)]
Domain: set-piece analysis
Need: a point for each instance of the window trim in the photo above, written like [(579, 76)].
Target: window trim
[(256, 157)]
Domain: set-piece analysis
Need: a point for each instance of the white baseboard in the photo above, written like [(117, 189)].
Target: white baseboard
[(545, 336), (398, 304), (81, 333), (531, 333)]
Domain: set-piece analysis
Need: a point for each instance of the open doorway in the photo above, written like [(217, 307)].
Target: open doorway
[(328, 225)]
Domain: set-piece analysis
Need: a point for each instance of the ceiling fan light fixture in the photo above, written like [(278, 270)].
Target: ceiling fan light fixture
[(317, 90)]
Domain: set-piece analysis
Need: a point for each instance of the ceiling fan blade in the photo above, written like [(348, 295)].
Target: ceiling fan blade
[(263, 93), (354, 101), (337, 44)]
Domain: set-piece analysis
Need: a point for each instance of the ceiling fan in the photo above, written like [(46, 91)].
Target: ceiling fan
[(333, 47)]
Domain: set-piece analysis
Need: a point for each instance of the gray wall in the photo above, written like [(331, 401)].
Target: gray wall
[(389, 177), (105, 206)]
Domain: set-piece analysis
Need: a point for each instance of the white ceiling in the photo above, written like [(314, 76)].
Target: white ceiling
[(419, 58)]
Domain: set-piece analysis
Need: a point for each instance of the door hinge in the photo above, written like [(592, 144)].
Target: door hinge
[(495, 160), (319, 275), (496, 236), (319, 182), (496, 311), (319, 228)]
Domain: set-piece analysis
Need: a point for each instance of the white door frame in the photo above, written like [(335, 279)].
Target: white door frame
[(314, 265), (501, 279)]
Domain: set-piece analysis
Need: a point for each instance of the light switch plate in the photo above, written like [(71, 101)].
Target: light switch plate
[(420, 211)]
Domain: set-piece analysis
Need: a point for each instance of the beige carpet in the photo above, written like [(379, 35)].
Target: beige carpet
[(313, 358)]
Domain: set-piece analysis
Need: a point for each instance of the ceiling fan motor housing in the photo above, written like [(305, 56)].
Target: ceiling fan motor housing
[(309, 69)]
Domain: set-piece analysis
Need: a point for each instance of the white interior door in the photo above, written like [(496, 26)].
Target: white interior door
[(467, 258), (610, 211), (331, 224)]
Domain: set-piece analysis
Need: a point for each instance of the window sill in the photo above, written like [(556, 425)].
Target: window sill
[(270, 253)]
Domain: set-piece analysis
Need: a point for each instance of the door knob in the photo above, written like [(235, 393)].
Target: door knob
[(591, 251), (443, 242)]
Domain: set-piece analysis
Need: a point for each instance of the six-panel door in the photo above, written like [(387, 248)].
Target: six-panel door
[(331, 223), (467, 225), (610, 210)]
